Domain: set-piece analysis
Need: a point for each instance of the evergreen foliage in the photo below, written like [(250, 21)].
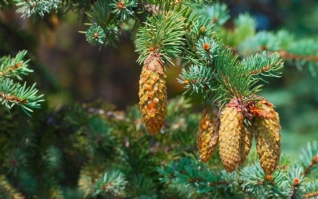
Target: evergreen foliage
[(42, 7), (95, 151), (13, 93)]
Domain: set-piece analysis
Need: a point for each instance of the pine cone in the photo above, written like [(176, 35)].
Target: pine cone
[(208, 133), (153, 93), (246, 142), (267, 135), (230, 135)]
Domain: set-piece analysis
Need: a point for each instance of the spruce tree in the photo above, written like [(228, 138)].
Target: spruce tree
[(161, 148)]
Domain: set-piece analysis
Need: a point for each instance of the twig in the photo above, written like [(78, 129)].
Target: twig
[(285, 55)]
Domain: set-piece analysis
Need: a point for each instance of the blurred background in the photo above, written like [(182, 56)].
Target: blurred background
[(68, 69)]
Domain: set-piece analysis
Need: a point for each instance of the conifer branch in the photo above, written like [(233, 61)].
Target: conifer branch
[(245, 41), (312, 164), (162, 33), (295, 176), (112, 181), (262, 64), (250, 179), (309, 158), (41, 7), (55, 193), (311, 190), (79, 5), (218, 13), (294, 57), (197, 78), (141, 186), (104, 26), (245, 27), (16, 94), (12, 93), (86, 180), (7, 190), (197, 33), (96, 182), (123, 9), (14, 67), (95, 35), (311, 195)]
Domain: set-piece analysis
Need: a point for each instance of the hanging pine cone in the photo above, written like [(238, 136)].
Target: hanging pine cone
[(231, 123), (153, 93), (208, 133), (246, 142), (267, 135)]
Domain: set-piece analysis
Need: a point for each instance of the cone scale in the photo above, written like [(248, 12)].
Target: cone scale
[(208, 133), (153, 93)]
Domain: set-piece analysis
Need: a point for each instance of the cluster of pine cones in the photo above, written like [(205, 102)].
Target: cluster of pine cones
[(234, 129)]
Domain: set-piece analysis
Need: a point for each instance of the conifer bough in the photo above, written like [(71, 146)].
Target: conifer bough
[(153, 93)]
